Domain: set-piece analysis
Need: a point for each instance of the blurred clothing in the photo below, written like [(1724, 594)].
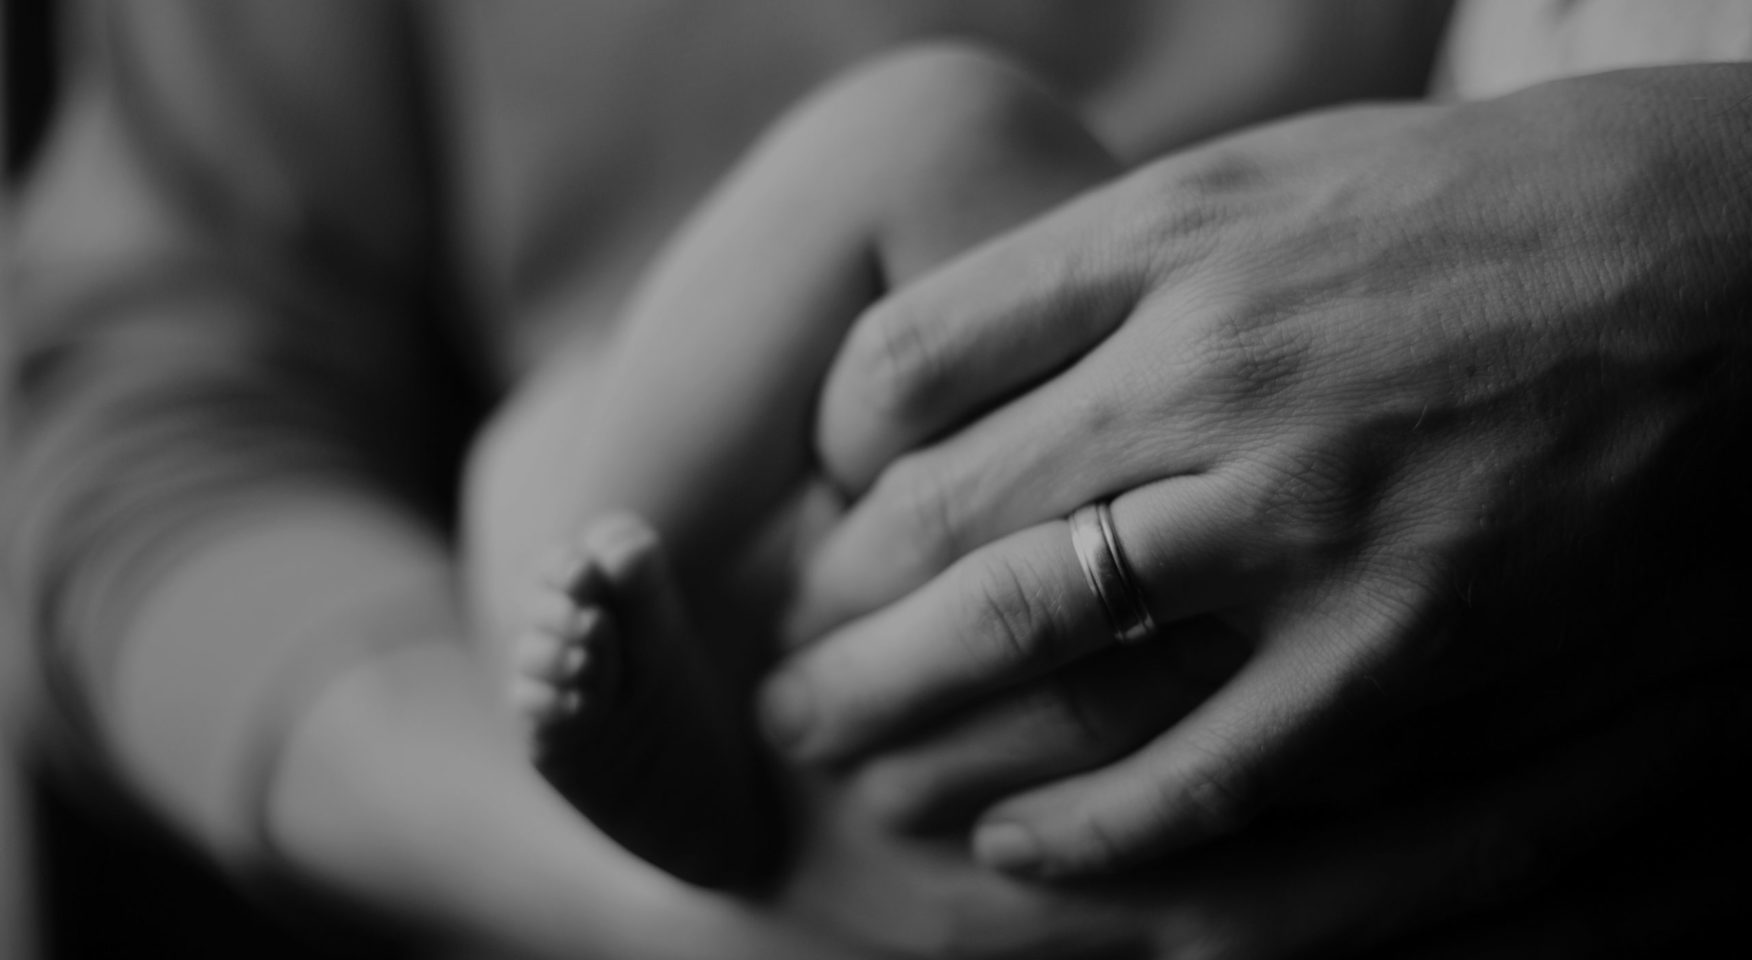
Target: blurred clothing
[(1496, 46)]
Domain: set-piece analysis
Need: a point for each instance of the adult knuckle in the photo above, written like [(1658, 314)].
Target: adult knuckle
[(917, 500), (1255, 350), (1106, 409), (905, 374), (1304, 495), (1212, 171), (1190, 196), (1007, 623), (1094, 846)]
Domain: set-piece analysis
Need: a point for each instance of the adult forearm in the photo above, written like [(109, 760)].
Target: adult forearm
[(399, 786), (297, 695), (289, 687), (253, 615)]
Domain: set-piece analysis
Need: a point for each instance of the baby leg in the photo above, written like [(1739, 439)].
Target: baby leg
[(701, 426), (704, 414)]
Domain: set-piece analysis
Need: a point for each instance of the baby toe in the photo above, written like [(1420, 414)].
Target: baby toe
[(620, 543), (554, 612), (544, 703), (549, 657)]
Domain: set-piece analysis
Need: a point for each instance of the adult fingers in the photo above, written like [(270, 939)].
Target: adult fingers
[(1038, 457), (1072, 720), (999, 615), (1211, 772), (1006, 314), (1005, 613)]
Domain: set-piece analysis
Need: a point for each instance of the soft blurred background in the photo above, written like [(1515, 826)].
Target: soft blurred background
[(79, 875), (28, 37)]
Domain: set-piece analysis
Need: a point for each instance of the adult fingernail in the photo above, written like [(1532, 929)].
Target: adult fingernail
[(1009, 847), (785, 712)]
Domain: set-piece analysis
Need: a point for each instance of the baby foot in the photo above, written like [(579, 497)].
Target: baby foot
[(564, 661), (626, 720)]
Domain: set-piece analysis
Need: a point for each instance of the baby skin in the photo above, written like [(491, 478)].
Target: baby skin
[(685, 445)]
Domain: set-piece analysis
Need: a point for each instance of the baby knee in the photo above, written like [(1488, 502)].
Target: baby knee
[(930, 111), (948, 79), (951, 143), (950, 104), (927, 150)]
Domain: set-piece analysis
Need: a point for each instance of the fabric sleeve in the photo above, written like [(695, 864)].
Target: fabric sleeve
[(228, 357)]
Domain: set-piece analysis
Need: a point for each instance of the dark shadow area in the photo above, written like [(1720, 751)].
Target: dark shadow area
[(29, 59), (109, 887)]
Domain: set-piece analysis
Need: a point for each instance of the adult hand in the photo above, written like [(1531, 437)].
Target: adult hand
[(1405, 397), (1563, 816)]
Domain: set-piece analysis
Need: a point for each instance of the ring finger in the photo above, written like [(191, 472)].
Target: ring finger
[(1008, 612), (1086, 434)]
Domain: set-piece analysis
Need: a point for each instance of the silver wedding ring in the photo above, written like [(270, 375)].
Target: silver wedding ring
[(1110, 578)]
